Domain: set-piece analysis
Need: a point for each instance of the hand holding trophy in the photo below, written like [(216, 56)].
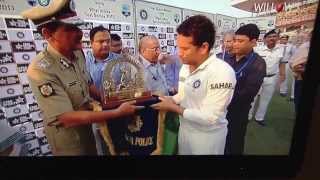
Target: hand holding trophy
[(138, 134)]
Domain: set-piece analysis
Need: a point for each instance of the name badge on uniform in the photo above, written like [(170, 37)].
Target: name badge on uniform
[(46, 90), (196, 84)]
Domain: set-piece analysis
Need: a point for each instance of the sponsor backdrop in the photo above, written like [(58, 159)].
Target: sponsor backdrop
[(158, 20), (20, 42), (116, 15), (264, 23)]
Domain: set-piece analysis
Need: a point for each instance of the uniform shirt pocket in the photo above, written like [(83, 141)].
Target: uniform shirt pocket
[(76, 93)]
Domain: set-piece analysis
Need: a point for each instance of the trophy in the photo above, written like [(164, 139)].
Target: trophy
[(141, 133), (123, 80)]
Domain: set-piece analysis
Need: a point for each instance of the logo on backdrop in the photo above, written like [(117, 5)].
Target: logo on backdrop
[(233, 25), (126, 10), (270, 23), (177, 18), (143, 14)]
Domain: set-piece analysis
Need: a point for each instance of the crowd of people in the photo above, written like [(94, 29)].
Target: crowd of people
[(214, 93)]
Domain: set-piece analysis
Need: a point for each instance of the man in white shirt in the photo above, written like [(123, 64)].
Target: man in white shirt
[(288, 49), (206, 86), (272, 53)]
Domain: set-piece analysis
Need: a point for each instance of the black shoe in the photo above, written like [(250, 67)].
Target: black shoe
[(261, 123), (283, 94)]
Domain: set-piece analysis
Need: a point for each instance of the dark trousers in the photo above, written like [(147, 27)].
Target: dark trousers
[(237, 128), (297, 93)]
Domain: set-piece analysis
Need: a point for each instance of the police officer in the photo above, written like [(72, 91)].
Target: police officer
[(206, 86), (272, 53), (61, 84), (250, 70)]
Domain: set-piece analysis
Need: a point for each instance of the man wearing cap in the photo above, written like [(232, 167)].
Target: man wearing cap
[(250, 70), (61, 84), (288, 52), (272, 53)]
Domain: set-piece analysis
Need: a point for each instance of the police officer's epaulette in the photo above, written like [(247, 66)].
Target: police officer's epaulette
[(41, 61)]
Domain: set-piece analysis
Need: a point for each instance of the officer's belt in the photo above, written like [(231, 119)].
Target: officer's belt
[(270, 75)]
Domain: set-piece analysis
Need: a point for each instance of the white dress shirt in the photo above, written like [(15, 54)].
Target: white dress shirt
[(273, 57)]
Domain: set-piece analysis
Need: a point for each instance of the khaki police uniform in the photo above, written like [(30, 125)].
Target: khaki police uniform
[(60, 86), (205, 94)]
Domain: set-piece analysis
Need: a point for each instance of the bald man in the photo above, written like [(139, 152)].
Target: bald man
[(149, 51), (226, 46)]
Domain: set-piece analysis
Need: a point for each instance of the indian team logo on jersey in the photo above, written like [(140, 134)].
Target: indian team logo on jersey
[(46, 90), (196, 84)]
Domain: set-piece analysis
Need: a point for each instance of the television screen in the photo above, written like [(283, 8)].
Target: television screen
[(205, 88)]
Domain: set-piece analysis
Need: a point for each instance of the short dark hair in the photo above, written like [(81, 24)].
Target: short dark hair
[(115, 37), (96, 29), (250, 30), (200, 28)]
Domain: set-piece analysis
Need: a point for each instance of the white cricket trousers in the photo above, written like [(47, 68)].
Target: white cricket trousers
[(196, 142), (284, 84), (266, 92)]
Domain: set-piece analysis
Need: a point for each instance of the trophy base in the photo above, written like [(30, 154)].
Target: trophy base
[(140, 101)]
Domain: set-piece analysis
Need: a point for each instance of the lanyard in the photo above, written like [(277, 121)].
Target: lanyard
[(156, 69), (224, 53), (239, 72)]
